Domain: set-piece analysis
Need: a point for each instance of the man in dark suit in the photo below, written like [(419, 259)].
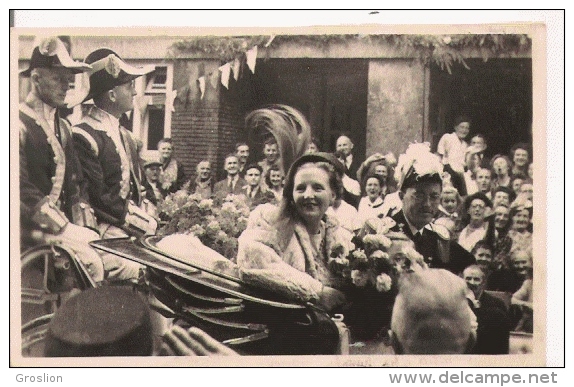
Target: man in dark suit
[(52, 194), (493, 332), (109, 156), (420, 184), (233, 183), (344, 150)]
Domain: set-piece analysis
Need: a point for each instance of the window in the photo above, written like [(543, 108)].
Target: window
[(152, 113)]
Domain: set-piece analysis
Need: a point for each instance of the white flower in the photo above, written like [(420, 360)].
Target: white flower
[(384, 283)]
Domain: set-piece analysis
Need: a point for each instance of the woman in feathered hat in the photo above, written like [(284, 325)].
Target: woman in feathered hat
[(286, 249)]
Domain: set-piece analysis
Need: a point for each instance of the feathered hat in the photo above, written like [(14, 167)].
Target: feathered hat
[(287, 125), (50, 52), (416, 165)]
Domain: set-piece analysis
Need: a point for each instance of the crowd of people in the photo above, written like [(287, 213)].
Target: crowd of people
[(452, 215)]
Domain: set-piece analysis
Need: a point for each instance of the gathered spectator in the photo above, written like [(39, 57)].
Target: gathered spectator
[(450, 202), (371, 203), (531, 171), (313, 146), (520, 156), (233, 183), (452, 148), (479, 141), (242, 152), (472, 165), (344, 151), (502, 196), (500, 166), (272, 155), (431, 314), (380, 165), (477, 228), (516, 183), (493, 333), (352, 188), (526, 191), (518, 237), (254, 193), (172, 176), (154, 192), (203, 182), (115, 321), (345, 213), (483, 180), (274, 181), (523, 297)]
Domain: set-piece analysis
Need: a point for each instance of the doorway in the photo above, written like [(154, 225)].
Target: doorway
[(496, 94)]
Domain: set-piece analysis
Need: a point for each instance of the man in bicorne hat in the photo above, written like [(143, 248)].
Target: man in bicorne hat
[(420, 185), (109, 156), (51, 194)]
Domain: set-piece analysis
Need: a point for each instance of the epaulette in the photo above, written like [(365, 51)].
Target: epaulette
[(441, 231)]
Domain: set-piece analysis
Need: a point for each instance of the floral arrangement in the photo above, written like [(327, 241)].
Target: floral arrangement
[(372, 261), (216, 222)]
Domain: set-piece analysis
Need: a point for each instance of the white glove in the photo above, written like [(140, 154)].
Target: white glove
[(77, 238)]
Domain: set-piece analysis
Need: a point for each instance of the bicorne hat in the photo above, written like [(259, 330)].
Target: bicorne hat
[(50, 52), (108, 71)]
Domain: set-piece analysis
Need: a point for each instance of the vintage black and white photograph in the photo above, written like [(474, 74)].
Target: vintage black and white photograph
[(339, 193)]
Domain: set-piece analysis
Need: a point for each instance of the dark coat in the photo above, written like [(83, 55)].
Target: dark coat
[(493, 333), (435, 245), (102, 167), (41, 170), (221, 189)]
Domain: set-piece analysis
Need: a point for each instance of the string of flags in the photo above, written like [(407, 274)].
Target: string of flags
[(231, 68)]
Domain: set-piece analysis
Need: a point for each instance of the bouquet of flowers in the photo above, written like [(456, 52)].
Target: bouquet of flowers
[(369, 263), (379, 256), (216, 222)]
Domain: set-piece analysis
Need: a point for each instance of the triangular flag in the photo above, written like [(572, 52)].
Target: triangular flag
[(251, 59), (270, 40), (202, 86), (225, 72), (236, 68), (214, 79)]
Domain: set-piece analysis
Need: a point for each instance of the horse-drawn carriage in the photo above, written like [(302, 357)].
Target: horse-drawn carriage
[(249, 320)]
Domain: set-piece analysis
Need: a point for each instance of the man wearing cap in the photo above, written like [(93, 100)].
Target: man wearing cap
[(52, 197), (108, 154), (420, 185), (154, 191), (431, 314)]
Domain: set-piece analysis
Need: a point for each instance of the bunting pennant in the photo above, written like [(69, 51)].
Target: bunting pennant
[(225, 72), (270, 40), (236, 68), (201, 81), (214, 79), (170, 97), (251, 59)]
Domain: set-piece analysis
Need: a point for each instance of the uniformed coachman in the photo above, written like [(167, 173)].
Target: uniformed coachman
[(52, 194)]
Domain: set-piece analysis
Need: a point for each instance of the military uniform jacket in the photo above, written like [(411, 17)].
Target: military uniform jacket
[(49, 168), (110, 165), (435, 245)]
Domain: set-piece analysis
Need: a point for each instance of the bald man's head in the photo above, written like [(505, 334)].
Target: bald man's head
[(431, 314)]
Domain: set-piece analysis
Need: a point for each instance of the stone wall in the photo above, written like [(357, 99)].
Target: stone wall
[(395, 107)]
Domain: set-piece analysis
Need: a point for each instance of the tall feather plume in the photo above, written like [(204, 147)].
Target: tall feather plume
[(289, 127)]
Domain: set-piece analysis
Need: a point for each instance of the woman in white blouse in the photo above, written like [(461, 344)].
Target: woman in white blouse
[(371, 204)]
